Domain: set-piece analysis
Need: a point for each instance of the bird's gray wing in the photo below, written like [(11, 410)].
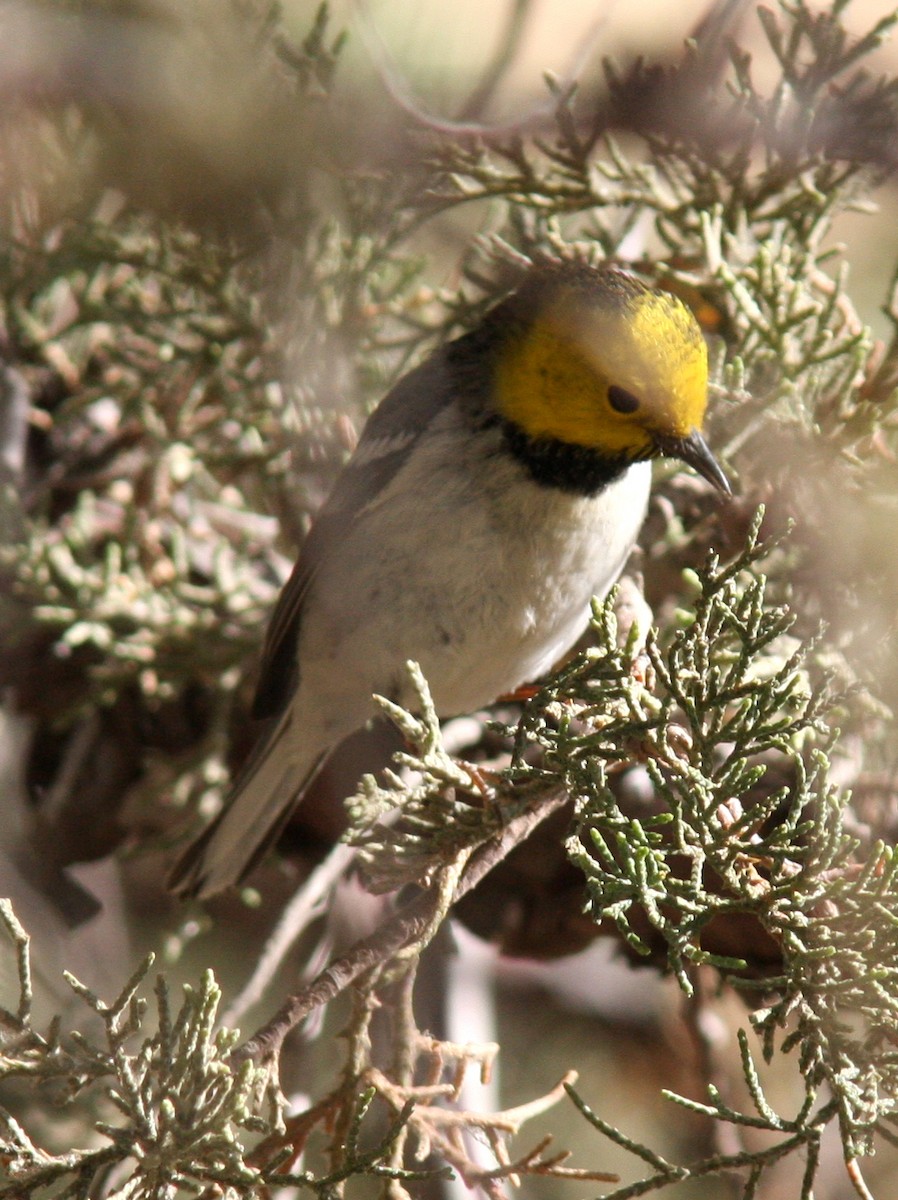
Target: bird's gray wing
[(389, 437)]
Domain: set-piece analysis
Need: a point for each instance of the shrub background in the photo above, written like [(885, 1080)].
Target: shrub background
[(224, 236)]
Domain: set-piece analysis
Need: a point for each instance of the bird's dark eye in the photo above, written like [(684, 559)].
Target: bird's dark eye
[(621, 400)]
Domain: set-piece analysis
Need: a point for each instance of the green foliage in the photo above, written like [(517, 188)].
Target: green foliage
[(179, 1112), (169, 409), (404, 832), (801, 1134), (701, 717), (724, 707), (735, 189), (168, 1103)]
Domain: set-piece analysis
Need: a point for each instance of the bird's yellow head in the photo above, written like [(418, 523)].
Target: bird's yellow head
[(594, 359)]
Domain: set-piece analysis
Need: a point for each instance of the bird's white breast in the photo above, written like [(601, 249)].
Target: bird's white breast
[(469, 567)]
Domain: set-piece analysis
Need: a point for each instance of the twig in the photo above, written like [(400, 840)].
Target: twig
[(857, 1179), (699, 1019), (295, 1135), (403, 94), (532, 1163), (506, 50), (508, 1121), (409, 923), (304, 906)]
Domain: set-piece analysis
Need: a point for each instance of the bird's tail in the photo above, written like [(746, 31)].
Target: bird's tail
[(259, 805)]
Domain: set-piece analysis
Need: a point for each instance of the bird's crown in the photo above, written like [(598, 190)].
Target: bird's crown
[(594, 358)]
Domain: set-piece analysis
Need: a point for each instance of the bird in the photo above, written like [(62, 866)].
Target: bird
[(495, 490)]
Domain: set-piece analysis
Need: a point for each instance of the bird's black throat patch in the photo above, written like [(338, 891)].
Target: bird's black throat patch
[(553, 463)]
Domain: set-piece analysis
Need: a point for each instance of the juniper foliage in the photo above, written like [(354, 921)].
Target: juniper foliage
[(185, 354)]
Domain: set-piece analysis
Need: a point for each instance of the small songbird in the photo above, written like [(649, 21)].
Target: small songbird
[(495, 490)]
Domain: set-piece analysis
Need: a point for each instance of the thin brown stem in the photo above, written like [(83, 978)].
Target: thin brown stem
[(408, 925)]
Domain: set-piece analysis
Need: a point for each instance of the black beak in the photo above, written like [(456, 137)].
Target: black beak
[(693, 450)]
